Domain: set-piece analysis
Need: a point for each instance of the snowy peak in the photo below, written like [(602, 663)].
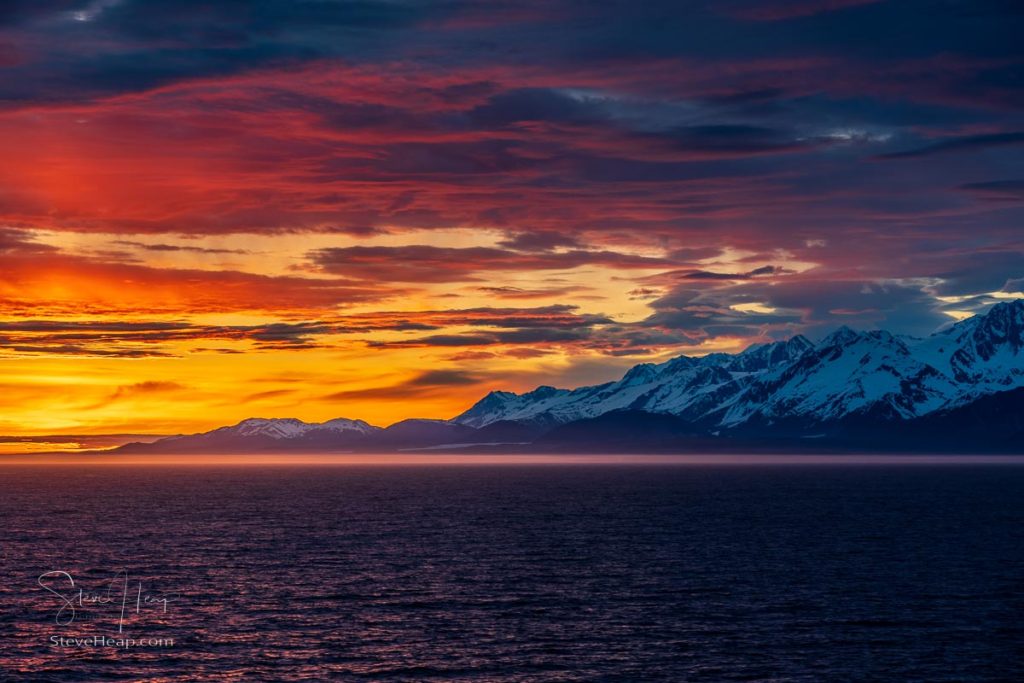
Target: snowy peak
[(764, 356), (1001, 329), (848, 373), (341, 424), (500, 405), (844, 335), (675, 386), (258, 434), (640, 374), (291, 428), (984, 353), (277, 428)]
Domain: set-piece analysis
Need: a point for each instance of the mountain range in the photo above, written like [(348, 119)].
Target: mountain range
[(960, 389)]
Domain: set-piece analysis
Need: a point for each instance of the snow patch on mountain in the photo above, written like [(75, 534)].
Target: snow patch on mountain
[(847, 373), (669, 387), (291, 428)]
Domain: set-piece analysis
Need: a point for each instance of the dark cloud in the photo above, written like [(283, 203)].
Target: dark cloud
[(14, 12), (709, 320), (644, 293), (194, 21), (541, 335), (20, 241), (266, 395), (80, 350), (294, 335), (976, 273), (537, 104), (55, 326), (145, 388), (177, 247), (507, 292), (131, 339), (536, 331), (710, 275), (440, 340), (960, 144), (690, 254), (725, 139), (423, 384), (434, 378), (99, 48), (421, 263), (823, 304), (539, 241), (797, 304), (754, 10), (561, 316), (997, 190)]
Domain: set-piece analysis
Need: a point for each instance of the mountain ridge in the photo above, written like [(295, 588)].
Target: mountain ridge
[(792, 388)]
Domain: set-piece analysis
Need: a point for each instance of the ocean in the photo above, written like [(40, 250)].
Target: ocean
[(516, 571)]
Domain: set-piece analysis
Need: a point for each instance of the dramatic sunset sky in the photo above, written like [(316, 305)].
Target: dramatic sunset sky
[(385, 208)]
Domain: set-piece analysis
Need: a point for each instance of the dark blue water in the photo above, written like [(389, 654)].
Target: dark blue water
[(553, 573)]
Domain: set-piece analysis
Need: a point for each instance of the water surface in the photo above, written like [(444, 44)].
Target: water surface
[(531, 571)]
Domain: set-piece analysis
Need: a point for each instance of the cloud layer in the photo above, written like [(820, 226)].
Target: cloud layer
[(435, 198)]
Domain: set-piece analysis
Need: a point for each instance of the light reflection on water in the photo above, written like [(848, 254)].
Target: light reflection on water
[(534, 571)]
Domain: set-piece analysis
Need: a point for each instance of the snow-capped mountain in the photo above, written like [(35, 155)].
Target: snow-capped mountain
[(291, 428), (669, 387), (960, 389), (983, 353), (261, 434), (289, 434), (847, 374)]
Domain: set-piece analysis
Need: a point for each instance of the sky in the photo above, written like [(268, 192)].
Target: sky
[(382, 209)]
